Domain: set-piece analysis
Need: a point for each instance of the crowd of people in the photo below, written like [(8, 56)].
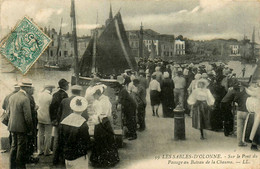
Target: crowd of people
[(32, 122), (208, 94)]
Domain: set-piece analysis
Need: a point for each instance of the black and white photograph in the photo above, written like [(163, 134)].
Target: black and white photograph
[(130, 84)]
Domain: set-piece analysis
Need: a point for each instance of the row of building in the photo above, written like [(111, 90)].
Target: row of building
[(148, 41)]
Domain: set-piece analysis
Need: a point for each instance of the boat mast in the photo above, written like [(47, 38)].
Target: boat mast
[(141, 41), (74, 38), (59, 43), (253, 44), (93, 67)]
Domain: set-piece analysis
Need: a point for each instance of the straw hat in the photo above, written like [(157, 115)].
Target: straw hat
[(48, 86), (78, 104), (25, 83)]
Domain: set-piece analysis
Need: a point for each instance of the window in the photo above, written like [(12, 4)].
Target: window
[(65, 45), (52, 44), (52, 36), (171, 53), (60, 53), (65, 53), (51, 53)]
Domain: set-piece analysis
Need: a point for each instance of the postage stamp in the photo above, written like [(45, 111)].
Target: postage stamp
[(24, 45)]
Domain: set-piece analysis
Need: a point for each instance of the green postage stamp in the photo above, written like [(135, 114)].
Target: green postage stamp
[(24, 45)]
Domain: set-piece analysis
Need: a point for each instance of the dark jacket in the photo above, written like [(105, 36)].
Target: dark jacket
[(6, 100), (75, 140), (65, 109), (55, 104), (20, 113), (241, 98)]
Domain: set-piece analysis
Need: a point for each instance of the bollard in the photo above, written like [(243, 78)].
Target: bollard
[(179, 123)]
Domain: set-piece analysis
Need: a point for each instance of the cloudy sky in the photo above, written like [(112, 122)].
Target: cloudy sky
[(195, 19)]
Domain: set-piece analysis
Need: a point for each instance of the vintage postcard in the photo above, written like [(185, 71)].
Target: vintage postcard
[(130, 84)]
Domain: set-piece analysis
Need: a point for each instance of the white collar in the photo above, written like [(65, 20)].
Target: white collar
[(75, 120), (21, 90)]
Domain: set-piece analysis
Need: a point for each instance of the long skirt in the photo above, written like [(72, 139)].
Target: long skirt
[(216, 119), (155, 97), (248, 129), (167, 104), (104, 153), (201, 115)]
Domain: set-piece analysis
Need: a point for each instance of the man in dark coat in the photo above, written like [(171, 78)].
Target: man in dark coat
[(20, 124), (65, 109), (226, 108), (141, 101), (54, 109), (32, 139), (128, 107)]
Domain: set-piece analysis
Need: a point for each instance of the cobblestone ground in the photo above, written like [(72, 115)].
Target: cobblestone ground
[(158, 142)]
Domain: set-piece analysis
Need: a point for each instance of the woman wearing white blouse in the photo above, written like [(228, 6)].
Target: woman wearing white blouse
[(201, 98), (104, 153), (155, 90)]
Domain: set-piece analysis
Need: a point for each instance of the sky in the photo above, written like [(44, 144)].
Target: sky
[(194, 19)]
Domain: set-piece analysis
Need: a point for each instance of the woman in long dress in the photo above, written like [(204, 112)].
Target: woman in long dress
[(74, 137), (104, 153), (167, 95), (252, 105), (201, 99)]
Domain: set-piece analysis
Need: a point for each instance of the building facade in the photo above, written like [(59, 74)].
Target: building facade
[(179, 47), (65, 49), (156, 44)]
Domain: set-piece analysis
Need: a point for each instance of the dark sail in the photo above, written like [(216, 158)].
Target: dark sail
[(113, 51)]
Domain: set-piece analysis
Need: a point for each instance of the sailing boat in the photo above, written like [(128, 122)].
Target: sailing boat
[(107, 55), (110, 53)]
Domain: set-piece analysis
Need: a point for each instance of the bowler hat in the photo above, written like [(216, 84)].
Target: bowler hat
[(63, 83)]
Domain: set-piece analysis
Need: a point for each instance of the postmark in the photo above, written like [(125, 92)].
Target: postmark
[(24, 45)]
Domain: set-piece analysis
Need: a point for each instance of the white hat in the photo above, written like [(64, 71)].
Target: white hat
[(120, 79), (204, 81), (78, 104), (253, 91), (197, 76), (166, 74), (100, 87)]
